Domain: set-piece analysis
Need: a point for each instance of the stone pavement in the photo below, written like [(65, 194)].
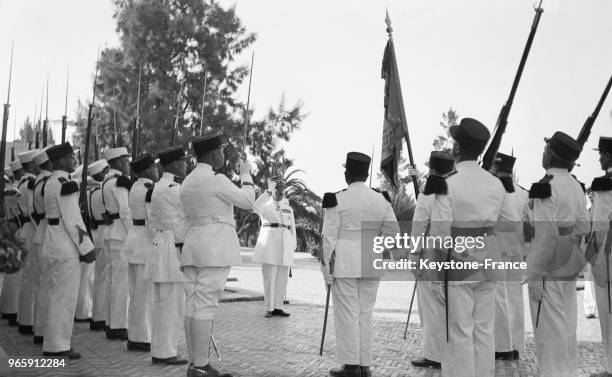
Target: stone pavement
[(253, 346)]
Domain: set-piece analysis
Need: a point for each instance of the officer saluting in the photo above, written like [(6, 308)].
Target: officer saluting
[(211, 243), (353, 215), (67, 243), (115, 189), (276, 244), (163, 264), (433, 208)]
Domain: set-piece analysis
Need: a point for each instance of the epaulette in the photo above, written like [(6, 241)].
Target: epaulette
[(62, 180), (384, 193), (581, 184), (149, 185), (178, 180), (149, 194), (541, 189), (69, 187), (123, 181), (508, 183), (329, 200), (31, 183), (435, 185), (602, 184)]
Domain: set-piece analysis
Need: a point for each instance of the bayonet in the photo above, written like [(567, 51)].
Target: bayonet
[(135, 132), (65, 116), (203, 102), (46, 123), (246, 114), (5, 117)]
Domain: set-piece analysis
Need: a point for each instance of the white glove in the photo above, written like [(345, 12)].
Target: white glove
[(599, 275), (438, 290), (244, 167), (536, 289), (327, 275), (412, 170), (271, 186)]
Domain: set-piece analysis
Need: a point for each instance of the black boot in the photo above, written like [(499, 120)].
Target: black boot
[(120, 334), (70, 354), (346, 371), (206, 371), (26, 330), (174, 360), (138, 346), (38, 339), (97, 326), (425, 363), (365, 371), (506, 356)]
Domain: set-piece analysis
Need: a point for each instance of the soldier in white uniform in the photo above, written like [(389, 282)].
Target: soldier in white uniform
[(98, 224), (115, 196), (211, 243), (136, 250), (560, 218), (479, 204), (67, 243), (39, 216), (433, 208), (601, 215), (9, 300), (27, 298), (276, 244), (353, 215), (509, 310), (163, 264)]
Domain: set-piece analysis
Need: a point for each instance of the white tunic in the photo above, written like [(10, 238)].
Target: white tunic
[(116, 202), (138, 241), (277, 241)]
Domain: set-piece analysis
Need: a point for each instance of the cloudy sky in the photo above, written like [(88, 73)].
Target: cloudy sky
[(327, 54)]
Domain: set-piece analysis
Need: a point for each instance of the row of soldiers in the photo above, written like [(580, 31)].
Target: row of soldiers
[(470, 318), (162, 248)]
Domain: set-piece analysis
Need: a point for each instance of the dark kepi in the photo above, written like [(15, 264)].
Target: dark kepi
[(442, 162), (142, 163), (564, 146), (504, 163), (605, 144), (357, 164), (59, 151), (471, 135), (207, 143), (168, 156)]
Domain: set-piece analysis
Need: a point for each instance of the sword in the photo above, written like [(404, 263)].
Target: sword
[(214, 343), (331, 270), (410, 309), (539, 306)]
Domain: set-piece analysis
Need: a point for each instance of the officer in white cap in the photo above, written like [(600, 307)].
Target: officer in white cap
[(67, 243), (39, 217), (276, 244), (211, 243), (115, 196), (98, 225), (353, 217), (27, 299), (136, 250), (163, 264)]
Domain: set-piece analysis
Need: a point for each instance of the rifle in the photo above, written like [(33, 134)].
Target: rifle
[(203, 101), (583, 136), (46, 122), (5, 118), (83, 193), (42, 95), (65, 116), (246, 115), (14, 134), (502, 119), (115, 121), (136, 119)]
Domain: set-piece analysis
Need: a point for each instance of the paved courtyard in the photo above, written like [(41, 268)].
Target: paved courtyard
[(253, 346)]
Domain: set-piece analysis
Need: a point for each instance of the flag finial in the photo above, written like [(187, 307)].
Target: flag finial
[(388, 22)]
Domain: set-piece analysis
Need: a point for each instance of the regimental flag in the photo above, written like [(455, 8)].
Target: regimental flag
[(394, 126)]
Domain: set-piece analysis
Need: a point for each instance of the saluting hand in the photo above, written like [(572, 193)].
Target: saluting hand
[(271, 186), (244, 167)]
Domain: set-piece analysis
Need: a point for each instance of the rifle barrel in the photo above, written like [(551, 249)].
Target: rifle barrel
[(5, 117), (585, 132), (246, 116)]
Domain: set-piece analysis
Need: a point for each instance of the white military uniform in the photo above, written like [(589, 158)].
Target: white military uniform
[(211, 246), (116, 204), (101, 269), (431, 216), (65, 240), (275, 246), (601, 215), (509, 309), (360, 214), (478, 202), (85, 299), (42, 293), (27, 297), (555, 258), (163, 267), (9, 300)]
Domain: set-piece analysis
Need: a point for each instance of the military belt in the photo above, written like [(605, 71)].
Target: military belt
[(24, 219), (138, 222), (277, 225), (53, 221), (98, 222), (113, 216), (209, 220), (38, 216), (482, 231)]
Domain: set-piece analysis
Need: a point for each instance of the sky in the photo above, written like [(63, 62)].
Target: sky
[(327, 54)]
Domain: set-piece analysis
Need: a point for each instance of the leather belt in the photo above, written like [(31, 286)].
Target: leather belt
[(482, 231), (98, 222), (14, 220), (277, 225), (38, 216), (138, 222), (113, 216), (53, 221), (24, 219), (179, 245)]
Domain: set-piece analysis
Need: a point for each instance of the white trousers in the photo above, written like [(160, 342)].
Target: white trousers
[(589, 299), (430, 309), (470, 350), (275, 280), (605, 321), (65, 275), (100, 294), (555, 336), (42, 295), (9, 300), (28, 288), (117, 288), (168, 316), (85, 299), (203, 289), (139, 309), (354, 301)]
